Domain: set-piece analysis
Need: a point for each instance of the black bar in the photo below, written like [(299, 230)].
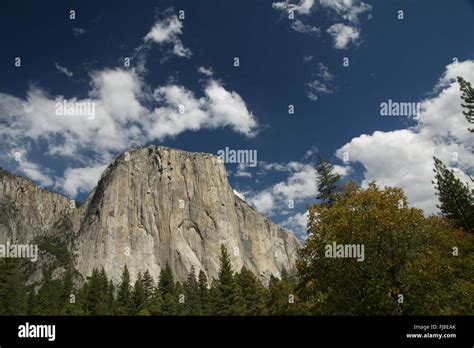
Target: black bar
[(238, 330)]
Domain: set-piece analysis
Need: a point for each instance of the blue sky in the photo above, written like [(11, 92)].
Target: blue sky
[(282, 61)]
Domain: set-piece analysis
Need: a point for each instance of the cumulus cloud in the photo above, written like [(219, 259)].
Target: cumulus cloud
[(167, 31), (80, 180), (283, 197), (297, 224), (63, 70), (403, 158), (126, 115), (298, 186), (343, 35), (183, 111), (35, 172)]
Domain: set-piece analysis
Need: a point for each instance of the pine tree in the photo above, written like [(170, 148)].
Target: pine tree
[(48, 298), (203, 293), (155, 306), (227, 301), (282, 298), (111, 297), (70, 304), (124, 294), (148, 286), (456, 200), (192, 294), (139, 299), (13, 294), (97, 301), (167, 290), (179, 299), (468, 98), (253, 293), (326, 181), (166, 281)]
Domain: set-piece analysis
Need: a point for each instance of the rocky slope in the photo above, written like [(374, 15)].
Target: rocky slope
[(152, 206)]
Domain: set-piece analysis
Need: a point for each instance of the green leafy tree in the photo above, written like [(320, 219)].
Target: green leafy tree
[(468, 98), (326, 181), (408, 264), (456, 199)]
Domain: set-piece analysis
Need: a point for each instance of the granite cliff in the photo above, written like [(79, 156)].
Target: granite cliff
[(151, 206)]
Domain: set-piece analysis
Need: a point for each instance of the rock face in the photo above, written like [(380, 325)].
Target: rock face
[(27, 211), (152, 206)]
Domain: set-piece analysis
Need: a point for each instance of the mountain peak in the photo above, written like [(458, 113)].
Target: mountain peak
[(156, 205)]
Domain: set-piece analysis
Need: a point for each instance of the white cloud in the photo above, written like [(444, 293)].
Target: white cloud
[(350, 10), (303, 7), (167, 31), (263, 202), (34, 172), (242, 171), (297, 224), (320, 85), (343, 35), (126, 115), (300, 27), (299, 185), (403, 158), (183, 111), (205, 71), (229, 109), (316, 88), (63, 70), (80, 180)]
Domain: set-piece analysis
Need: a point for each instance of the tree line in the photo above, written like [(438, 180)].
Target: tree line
[(232, 293)]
